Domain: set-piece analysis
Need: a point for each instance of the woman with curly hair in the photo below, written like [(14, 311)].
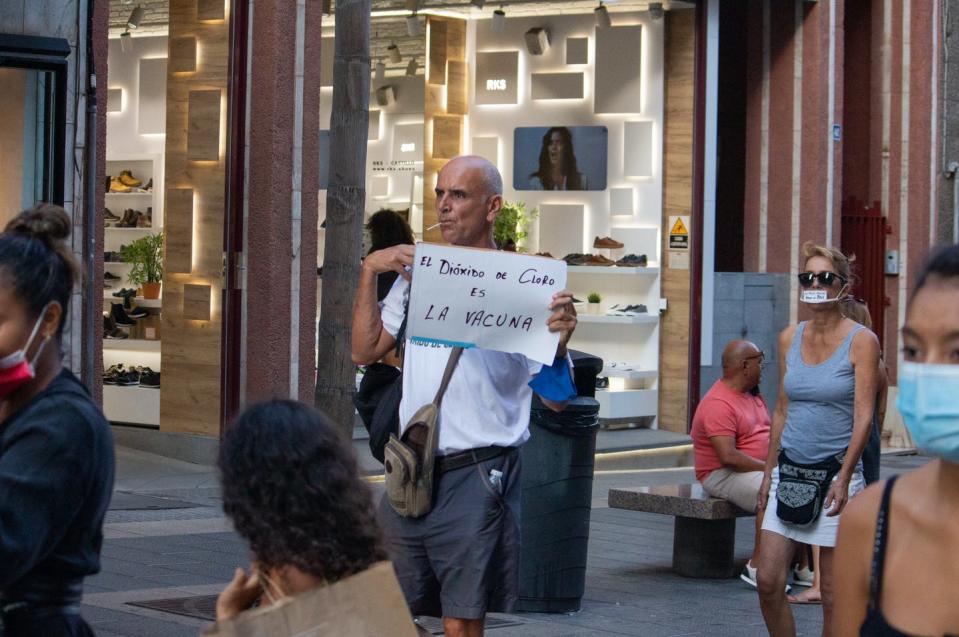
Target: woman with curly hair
[(291, 487), (557, 163)]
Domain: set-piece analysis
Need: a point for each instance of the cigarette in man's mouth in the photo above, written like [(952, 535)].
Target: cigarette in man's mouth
[(435, 225)]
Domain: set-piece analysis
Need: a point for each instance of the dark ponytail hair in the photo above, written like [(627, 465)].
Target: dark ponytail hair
[(36, 261), (943, 263)]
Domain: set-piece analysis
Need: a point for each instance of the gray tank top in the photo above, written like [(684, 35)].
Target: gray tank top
[(821, 402)]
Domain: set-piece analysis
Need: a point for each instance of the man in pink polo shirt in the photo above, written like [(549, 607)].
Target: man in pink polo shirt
[(731, 435)]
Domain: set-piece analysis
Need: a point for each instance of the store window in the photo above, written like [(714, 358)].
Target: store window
[(164, 212), (33, 104)]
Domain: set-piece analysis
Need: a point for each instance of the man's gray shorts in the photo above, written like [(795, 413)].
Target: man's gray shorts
[(462, 559)]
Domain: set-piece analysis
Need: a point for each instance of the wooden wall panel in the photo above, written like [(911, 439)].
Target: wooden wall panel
[(203, 134), (190, 351), (447, 38), (183, 55), (679, 57), (179, 234), (196, 302)]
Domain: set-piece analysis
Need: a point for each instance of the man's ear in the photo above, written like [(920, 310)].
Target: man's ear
[(493, 206)]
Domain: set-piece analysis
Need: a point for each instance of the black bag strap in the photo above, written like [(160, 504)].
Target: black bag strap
[(447, 374), (401, 334)]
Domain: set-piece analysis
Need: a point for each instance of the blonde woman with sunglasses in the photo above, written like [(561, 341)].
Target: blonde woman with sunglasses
[(827, 387)]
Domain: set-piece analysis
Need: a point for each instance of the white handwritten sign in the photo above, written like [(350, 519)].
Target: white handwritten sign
[(484, 298)]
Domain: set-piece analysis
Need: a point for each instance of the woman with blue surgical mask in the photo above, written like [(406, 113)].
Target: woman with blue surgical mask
[(827, 388), (897, 564)]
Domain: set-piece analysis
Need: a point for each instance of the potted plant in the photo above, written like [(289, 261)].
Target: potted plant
[(146, 256), (511, 225), (593, 299)]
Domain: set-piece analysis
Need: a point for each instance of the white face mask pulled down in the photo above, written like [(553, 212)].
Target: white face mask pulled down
[(820, 296)]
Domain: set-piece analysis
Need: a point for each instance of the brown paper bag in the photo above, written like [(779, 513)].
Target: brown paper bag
[(368, 604)]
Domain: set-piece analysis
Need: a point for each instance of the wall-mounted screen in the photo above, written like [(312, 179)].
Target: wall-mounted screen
[(560, 158)]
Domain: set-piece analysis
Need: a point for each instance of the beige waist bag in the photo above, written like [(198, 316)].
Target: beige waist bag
[(409, 458)]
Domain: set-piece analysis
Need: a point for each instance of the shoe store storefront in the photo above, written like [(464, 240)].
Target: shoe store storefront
[(569, 101), (163, 214)]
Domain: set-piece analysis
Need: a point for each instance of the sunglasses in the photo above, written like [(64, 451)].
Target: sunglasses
[(761, 356), (826, 279)]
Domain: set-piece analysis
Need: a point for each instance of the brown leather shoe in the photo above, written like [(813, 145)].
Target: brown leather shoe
[(606, 242), (598, 259), (127, 179)]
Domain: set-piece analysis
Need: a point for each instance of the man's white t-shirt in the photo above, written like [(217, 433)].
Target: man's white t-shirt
[(488, 399)]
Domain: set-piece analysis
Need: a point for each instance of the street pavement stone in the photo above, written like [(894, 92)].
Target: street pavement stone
[(630, 588)]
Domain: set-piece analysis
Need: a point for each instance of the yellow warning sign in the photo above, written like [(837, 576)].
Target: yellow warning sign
[(679, 232)]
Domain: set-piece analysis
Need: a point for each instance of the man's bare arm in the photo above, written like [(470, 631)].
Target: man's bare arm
[(370, 340)]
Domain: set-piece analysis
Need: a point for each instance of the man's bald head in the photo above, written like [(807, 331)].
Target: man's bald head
[(488, 174), (735, 353)]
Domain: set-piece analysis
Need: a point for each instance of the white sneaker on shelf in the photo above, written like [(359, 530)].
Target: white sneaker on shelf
[(803, 576)]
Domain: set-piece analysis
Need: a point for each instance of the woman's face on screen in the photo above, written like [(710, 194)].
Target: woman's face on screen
[(556, 147)]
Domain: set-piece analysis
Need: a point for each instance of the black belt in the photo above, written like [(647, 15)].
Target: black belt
[(469, 457)]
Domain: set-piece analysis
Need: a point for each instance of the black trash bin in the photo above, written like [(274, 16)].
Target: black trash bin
[(586, 368), (557, 481)]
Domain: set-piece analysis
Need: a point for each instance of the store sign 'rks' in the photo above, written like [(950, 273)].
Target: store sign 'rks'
[(495, 85)]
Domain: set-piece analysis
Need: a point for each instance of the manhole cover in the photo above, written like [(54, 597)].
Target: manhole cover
[(200, 606), (434, 625), (122, 501)]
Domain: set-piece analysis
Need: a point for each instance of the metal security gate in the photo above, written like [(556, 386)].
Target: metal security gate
[(864, 233)]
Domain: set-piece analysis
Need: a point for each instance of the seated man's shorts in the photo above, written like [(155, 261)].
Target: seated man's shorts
[(462, 559), (740, 488)]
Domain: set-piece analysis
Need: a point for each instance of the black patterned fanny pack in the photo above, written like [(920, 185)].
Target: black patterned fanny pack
[(803, 487)]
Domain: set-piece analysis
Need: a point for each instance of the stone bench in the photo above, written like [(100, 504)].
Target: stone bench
[(704, 531)]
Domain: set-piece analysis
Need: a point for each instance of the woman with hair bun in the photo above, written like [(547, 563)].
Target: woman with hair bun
[(56, 450)]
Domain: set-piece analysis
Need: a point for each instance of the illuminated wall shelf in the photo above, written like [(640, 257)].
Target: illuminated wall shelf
[(630, 374), (131, 345), (131, 404), (643, 319), (627, 403), (612, 269)]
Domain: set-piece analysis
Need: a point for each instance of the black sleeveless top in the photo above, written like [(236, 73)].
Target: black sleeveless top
[(875, 624)]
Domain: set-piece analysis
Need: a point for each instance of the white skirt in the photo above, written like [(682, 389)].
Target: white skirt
[(822, 532)]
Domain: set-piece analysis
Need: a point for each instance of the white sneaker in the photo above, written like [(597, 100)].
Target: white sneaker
[(803, 577), (748, 575)]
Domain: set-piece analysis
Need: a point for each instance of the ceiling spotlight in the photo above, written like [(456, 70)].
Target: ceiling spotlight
[(126, 42), (135, 17), (499, 21), (412, 5), (413, 27), (656, 10), (380, 71), (411, 67), (394, 53), (479, 4), (602, 16)]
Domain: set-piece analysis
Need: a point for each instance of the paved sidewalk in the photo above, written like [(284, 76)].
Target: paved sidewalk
[(190, 551)]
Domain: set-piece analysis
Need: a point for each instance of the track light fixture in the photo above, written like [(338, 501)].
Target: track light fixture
[(394, 52), (380, 71), (411, 67), (413, 28), (602, 16), (412, 5), (479, 4), (499, 21), (135, 17)]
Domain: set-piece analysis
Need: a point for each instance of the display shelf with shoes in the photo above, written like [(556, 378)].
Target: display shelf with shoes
[(614, 269), (132, 345), (134, 182), (616, 404), (630, 371), (639, 319)]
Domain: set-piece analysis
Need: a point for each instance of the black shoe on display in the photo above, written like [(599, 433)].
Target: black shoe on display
[(119, 316), (137, 313), (602, 382), (149, 378), (110, 276), (111, 374)]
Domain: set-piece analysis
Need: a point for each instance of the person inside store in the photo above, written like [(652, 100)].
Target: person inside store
[(896, 566), (56, 449), (856, 309), (827, 389), (557, 163), (731, 436), (461, 559), (386, 228), (292, 489)]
